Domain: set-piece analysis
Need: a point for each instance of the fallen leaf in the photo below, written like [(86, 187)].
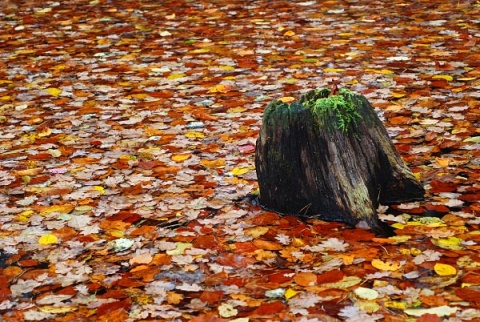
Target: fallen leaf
[(48, 239), (385, 266)]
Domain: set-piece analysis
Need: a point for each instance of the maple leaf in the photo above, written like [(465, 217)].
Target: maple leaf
[(354, 314), (305, 300)]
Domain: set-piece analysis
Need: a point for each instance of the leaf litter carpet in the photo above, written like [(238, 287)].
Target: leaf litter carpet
[(127, 134)]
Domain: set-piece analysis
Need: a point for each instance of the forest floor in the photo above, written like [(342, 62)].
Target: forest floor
[(127, 139)]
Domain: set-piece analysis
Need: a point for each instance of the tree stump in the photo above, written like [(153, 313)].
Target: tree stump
[(330, 157)]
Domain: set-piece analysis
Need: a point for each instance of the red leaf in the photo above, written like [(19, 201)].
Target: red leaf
[(330, 277), (281, 277), (207, 318), (429, 318), (245, 247), (266, 219), (439, 186), (4, 288), (270, 308), (234, 260), (211, 297), (357, 235), (113, 306), (468, 295), (437, 208)]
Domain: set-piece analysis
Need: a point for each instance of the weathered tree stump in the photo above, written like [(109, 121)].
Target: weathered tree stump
[(330, 157)]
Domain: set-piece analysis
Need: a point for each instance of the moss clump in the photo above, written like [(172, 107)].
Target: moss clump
[(342, 106), (336, 111)]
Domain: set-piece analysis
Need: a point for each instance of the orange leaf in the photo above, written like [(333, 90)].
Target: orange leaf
[(305, 279), (181, 157), (213, 163), (205, 242), (211, 297), (144, 258), (209, 317), (267, 245), (266, 219)]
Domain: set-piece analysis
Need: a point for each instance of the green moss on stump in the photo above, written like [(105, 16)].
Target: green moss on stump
[(340, 108)]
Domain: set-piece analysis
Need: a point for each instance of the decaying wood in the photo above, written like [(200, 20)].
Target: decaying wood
[(335, 162)]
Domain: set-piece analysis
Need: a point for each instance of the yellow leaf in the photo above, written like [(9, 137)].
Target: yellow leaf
[(380, 71), (25, 51), (290, 293), (257, 231), (289, 33), (213, 163), (140, 96), (194, 135), (236, 110), (179, 248), (287, 99), (220, 88), (290, 80), (398, 225), (227, 67), (180, 157), (127, 157), (448, 78), (54, 91), (116, 233), (24, 216), (142, 28), (397, 94), (443, 162), (176, 76), (385, 266), (444, 269), (48, 239), (347, 258), (57, 309), (399, 239), (57, 208), (99, 189), (239, 171), (395, 305), (200, 51), (333, 70), (452, 243)]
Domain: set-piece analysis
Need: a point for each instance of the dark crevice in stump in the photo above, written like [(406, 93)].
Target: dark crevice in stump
[(330, 157)]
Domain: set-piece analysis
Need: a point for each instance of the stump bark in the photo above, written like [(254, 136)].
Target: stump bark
[(330, 157)]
